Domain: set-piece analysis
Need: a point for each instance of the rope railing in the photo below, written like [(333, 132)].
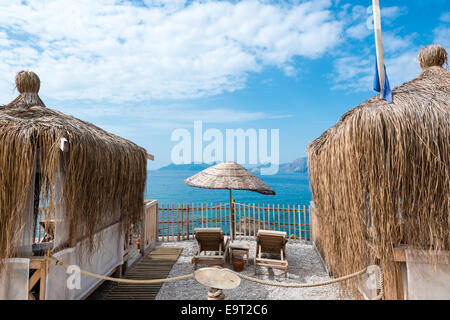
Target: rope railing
[(372, 268), (121, 280)]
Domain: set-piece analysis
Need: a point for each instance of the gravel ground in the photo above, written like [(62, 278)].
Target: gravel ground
[(304, 267)]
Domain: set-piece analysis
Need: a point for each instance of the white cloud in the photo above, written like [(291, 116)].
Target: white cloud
[(389, 14), (354, 67), (442, 32), (355, 73), (442, 36), (359, 31), (445, 17), (359, 19), (118, 51), (393, 43), (169, 115)]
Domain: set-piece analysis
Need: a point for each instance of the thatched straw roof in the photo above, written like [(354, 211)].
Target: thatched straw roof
[(228, 175), (380, 177), (103, 173)]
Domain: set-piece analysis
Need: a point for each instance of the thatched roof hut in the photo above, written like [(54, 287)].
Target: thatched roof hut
[(101, 178), (380, 177)]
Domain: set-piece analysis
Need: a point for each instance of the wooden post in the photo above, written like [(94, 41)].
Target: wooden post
[(215, 211), (311, 235), (289, 221), (180, 231), (233, 210), (295, 229), (198, 215), (157, 224), (143, 230), (185, 228), (254, 222), (304, 222), (163, 229), (162, 222), (211, 215), (188, 224), (378, 43), (207, 215), (167, 223), (279, 226), (202, 213), (40, 265), (264, 216), (238, 216), (272, 221), (43, 271), (220, 219), (245, 222), (173, 222), (259, 220), (232, 218)]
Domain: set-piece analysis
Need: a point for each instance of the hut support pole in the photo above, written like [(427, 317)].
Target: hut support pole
[(378, 43), (232, 216)]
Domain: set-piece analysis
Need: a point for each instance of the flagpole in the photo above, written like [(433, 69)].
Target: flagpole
[(378, 43)]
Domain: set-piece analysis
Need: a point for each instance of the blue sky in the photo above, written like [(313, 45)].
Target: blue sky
[(142, 69)]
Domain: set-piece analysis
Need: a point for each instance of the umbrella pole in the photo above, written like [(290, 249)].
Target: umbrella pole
[(232, 217)]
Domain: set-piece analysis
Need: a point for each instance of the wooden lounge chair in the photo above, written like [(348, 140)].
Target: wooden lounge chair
[(271, 242), (210, 240)]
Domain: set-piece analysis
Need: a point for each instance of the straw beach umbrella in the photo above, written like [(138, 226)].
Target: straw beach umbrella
[(228, 175)]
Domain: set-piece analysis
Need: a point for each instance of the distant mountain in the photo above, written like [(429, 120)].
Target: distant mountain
[(298, 165)]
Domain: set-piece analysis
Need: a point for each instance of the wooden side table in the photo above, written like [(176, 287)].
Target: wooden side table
[(239, 249)]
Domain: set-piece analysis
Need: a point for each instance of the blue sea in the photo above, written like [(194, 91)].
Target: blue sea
[(168, 187)]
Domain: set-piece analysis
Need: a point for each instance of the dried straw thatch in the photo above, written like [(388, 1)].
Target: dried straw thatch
[(228, 175), (381, 176), (103, 175)]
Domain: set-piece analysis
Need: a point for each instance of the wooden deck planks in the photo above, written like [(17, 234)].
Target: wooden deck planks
[(156, 265)]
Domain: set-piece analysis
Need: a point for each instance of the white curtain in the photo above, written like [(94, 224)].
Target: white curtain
[(103, 261), (426, 281), (14, 279)]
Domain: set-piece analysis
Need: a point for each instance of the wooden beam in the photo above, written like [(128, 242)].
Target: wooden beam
[(150, 157), (399, 255), (34, 279), (43, 271)]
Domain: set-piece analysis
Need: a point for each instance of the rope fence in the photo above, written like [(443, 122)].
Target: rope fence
[(372, 268)]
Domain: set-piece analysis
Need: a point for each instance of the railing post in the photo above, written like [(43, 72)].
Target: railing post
[(178, 221), (312, 222), (157, 223), (188, 230), (233, 220), (183, 209), (143, 226)]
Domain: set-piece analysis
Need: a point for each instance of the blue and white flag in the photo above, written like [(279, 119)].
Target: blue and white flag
[(387, 94)]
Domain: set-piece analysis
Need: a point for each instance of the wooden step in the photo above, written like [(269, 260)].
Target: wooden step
[(156, 265)]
